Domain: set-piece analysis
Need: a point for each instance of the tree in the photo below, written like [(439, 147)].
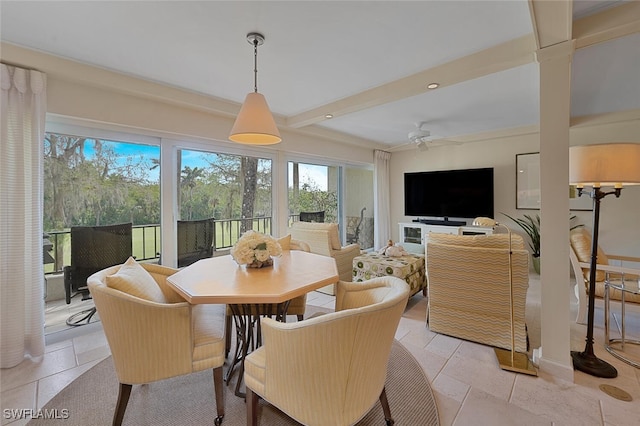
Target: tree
[(190, 178), (249, 170)]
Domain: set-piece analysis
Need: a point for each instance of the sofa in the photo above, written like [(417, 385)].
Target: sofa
[(324, 239), (468, 288)]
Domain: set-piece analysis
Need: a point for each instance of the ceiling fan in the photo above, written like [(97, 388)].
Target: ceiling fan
[(422, 137)]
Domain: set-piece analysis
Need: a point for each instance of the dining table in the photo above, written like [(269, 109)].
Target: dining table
[(253, 292)]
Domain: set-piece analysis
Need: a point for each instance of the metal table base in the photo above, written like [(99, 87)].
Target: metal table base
[(624, 287)]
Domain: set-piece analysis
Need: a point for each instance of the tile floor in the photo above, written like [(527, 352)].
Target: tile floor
[(469, 387)]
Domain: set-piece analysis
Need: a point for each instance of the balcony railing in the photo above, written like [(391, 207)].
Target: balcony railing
[(146, 240)]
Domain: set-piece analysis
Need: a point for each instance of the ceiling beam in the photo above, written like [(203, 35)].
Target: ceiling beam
[(551, 21), (494, 59), (607, 25)]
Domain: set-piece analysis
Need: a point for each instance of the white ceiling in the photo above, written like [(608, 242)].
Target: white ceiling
[(340, 57)]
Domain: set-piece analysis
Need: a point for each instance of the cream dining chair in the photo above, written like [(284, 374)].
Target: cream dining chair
[(330, 369), (153, 333), (324, 239)]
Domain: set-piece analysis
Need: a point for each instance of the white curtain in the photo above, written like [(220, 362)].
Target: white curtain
[(21, 197), (381, 198)]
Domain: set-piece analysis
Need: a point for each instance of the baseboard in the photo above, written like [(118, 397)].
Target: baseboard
[(553, 368)]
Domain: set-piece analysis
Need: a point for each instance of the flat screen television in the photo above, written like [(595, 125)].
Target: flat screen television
[(449, 193)]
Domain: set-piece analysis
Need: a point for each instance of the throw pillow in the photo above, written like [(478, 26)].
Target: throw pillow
[(133, 279)]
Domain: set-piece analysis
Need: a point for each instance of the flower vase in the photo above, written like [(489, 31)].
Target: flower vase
[(260, 264)]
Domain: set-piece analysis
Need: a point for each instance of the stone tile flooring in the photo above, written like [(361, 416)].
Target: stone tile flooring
[(469, 386)]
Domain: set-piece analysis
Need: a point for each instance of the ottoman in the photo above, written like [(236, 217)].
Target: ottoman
[(410, 268)]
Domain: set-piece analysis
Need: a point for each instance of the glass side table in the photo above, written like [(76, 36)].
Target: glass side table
[(625, 286)]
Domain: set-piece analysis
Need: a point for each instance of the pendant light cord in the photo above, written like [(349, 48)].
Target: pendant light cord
[(255, 65)]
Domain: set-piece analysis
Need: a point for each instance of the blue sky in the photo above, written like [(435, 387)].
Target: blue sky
[(192, 158)]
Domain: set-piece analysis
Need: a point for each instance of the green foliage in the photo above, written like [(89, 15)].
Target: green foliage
[(99, 189), (531, 226), (311, 199)]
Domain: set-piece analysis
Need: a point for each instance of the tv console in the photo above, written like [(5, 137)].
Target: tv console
[(414, 236)]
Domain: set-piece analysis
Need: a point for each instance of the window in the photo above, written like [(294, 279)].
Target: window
[(91, 181), (358, 206), (233, 189), (313, 188)]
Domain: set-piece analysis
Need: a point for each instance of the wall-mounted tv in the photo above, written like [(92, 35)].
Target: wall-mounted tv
[(449, 193)]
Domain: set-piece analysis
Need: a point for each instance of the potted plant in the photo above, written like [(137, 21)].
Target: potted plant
[(531, 226)]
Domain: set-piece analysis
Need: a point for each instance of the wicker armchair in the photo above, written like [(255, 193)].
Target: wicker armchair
[(195, 240), (93, 248)]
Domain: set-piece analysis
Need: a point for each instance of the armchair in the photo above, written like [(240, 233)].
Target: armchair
[(323, 239), (153, 333), (580, 257), (469, 288), (335, 365)]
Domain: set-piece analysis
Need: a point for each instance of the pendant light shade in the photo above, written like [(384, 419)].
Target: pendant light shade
[(255, 124)]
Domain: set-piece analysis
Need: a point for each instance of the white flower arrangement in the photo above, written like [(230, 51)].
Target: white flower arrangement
[(255, 249)]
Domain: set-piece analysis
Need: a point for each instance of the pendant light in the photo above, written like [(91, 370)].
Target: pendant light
[(254, 124)]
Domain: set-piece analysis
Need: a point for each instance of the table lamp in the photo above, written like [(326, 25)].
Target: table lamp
[(611, 165)]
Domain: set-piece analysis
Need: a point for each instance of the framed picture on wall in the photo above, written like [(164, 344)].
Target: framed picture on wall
[(528, 185)]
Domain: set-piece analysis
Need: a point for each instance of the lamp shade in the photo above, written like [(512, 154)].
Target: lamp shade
[(254, 124), (613, 164)]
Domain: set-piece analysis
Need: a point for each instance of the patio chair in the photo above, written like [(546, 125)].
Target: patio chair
[(195, 240), (93, 248), (312, 216)]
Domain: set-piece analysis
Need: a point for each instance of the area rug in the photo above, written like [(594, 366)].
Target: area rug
[(189, 400)]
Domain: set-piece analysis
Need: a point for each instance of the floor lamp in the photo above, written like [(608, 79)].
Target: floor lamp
[(604, 165), (509, 359)]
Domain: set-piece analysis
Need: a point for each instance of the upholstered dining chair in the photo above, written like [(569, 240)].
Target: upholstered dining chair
[(334, 366), (580, 257), (324, 239), (297, 305), (153, 333)]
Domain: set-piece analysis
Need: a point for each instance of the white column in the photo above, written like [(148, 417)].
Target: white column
[(555, 96)]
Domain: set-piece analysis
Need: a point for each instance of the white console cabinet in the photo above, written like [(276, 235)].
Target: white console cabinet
[(414, 235)]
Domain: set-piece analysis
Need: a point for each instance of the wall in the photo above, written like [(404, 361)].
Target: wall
[(104, 99), (619, 230)]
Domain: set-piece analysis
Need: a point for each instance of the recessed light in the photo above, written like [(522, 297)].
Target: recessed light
[(433, 85), (328, 116)]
